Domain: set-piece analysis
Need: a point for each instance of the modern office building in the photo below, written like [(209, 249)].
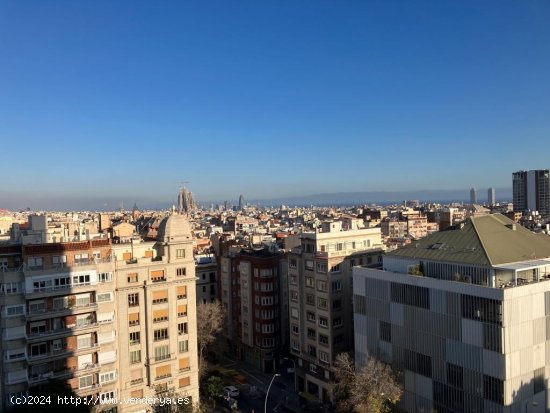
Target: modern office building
[(473, 196), (491, 196), (531, 191), (111, 320), (241, 203), (320, 292), (465, 315)]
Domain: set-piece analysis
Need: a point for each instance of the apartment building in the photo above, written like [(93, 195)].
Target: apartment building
[(251, 293), (112, 320), (320, 291), (465, 314), (206, 270)]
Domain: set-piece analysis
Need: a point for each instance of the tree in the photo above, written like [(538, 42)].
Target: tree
[(210, 318), (371, 389), (214, 388), (171, 401)]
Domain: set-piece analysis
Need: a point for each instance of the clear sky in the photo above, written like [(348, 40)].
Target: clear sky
[(113, 99)]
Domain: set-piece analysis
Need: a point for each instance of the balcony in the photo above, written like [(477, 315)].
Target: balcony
[(164, 376), (63, 267), (87, 369), (59, 289), (51, 375), (54, 312), (135, 381), (50, 334), (86, 391)]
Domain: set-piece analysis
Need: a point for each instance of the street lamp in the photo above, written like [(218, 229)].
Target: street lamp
[(267, 394), (294, 367)]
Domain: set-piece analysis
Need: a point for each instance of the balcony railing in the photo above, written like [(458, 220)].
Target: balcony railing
[(58, 288), (61, 311)]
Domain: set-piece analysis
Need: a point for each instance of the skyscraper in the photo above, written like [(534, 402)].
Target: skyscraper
[(473, 196), (241, 202), (531, 191), (491, 196)]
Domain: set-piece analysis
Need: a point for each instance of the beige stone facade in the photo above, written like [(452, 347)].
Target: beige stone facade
[(114, 321)]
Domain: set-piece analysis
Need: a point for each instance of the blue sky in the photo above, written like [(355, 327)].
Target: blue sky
[(127, 99)]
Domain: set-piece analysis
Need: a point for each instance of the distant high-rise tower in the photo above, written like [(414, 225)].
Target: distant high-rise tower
[(241, 202), (491, 197), (186, 201), (531, 191), (473, 196)]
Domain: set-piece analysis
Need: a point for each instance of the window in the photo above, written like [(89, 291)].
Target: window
[(294, 295), (296, 345), (182, 328), (134, 337), (335, 268), (321, 267), (160, 297), (312, 368), (293, 280), (310, 282), (385, 331), (162, 353), (312, 350), (38, 306), (157, 276), (184, 382), (311, 334), (160, 315), (266, 287), (180, 272), (294, 312), (83, 300), (337, 322), (322, 303), (135, 356), (84, 341), (183, 346), (493, 389), (323, 321), (309, 264), (81, 280), (182, 310), (133, 299), (105, 277), (323, 340), (336, 286), (86, 381), (268, 328), (268, 342), (311, 316), (11, 288), (15, 310), (133, 319), (182, 292), (59, 260), (295, 329), (293, 263), (339, 246), (310, 299), (322, 285), (180, 253), (105, 397), (133, 278), (35, 262), (337, 304), (104, 297), (107, 377), (266, 272), (39, 349), (324, 357), (267, 300), (160, 334)]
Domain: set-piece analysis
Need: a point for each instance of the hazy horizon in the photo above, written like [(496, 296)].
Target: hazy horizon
[(17, 202)]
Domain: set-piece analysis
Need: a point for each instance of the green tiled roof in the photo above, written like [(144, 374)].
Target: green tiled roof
[(485, 240)]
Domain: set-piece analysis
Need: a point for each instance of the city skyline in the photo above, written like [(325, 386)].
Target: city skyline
[(278, 99)]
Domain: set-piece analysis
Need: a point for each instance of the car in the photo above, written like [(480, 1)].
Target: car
[(231, 391)]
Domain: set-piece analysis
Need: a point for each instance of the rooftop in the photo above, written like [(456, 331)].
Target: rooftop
[(488, 240)]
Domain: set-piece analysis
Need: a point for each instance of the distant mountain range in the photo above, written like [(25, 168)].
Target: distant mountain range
[(384, 197)]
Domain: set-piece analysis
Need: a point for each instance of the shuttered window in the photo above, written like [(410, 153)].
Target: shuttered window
[(182, 310), (184, 364)]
